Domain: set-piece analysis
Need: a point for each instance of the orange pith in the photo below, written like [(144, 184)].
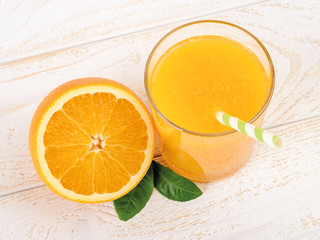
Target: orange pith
[(92, 140)]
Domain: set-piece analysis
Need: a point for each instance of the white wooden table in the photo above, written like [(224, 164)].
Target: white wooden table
[(46, 43)]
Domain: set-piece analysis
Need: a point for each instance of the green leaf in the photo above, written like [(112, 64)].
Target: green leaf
[(172, 185), (133, 202)]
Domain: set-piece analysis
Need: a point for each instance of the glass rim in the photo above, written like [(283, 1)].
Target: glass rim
[(232, 131)]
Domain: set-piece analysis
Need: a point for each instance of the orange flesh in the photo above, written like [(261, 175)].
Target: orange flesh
[(94, 140)]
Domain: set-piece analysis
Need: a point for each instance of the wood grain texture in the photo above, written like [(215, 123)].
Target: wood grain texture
[(275, 196), (36, 26), (294, 47)]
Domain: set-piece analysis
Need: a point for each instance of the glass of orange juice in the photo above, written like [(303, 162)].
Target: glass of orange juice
[(194, 71)]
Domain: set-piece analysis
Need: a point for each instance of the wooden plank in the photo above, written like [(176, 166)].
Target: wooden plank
[(33, 27), (275, 196), (295, 50)]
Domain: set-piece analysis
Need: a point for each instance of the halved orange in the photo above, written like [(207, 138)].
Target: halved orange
[(92, 140)]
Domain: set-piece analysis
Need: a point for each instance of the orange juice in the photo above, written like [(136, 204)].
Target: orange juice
[(187, 85), (203, 74)]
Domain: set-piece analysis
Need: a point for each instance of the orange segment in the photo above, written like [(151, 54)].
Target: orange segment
[(102, 175), (117, 171), (131, 159), (92, 140), (62, 131), (103, 107), (79, 178), (128, 129), (61, 159), (81, 110)]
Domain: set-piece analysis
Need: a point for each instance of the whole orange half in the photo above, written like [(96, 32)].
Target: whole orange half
[(92, 140)]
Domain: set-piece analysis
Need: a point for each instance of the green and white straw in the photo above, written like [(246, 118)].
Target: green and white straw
[(249, 129)]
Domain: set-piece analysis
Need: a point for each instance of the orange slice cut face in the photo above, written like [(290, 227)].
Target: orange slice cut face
[(92, 140)]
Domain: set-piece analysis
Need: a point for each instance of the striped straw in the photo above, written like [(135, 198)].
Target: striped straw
[(249, 129)]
